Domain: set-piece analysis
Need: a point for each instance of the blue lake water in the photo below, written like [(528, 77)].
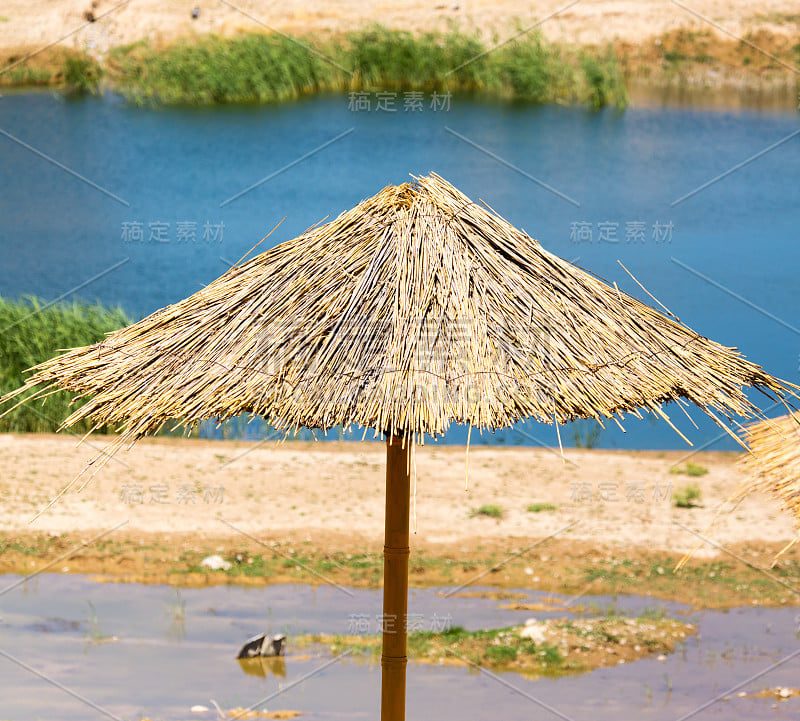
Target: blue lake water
[(614, 179)]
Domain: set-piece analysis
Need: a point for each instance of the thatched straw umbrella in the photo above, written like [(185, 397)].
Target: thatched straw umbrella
[(416, 309), (773, 466)]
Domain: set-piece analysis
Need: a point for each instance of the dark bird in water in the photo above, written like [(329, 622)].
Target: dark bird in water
[(262, 646)]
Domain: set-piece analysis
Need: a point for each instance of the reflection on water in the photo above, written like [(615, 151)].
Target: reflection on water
[(153, 671), (780, 97), (263, 666)]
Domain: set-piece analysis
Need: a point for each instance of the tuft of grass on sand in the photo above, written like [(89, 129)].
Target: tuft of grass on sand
[(489, 510), (690, 469), (539, 507), (687, 497)]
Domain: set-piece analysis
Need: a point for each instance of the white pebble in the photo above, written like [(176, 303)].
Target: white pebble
[(215, 563)]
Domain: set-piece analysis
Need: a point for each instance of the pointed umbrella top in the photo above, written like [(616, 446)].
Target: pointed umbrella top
[(416, 309)]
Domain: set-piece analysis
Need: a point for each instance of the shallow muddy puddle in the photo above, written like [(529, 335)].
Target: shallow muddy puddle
[(74, 649)]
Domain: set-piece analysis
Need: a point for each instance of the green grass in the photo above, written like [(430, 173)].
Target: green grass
[(31, 332), (506, 649), (702, 584), (687, 497), (500, 655), (497, 648), (490, 510), (690, 469), (272, 68), (27, 76), (93, 632), (539, 507), (604, 86), (82, 74)]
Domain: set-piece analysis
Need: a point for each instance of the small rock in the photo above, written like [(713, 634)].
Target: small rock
[(661, 657), (534, 633), (742, 694), (528, 571), (199, 709), (215, 563), (784, 693)]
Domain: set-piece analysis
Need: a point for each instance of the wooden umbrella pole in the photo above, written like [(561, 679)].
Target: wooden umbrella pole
[(395, 582)]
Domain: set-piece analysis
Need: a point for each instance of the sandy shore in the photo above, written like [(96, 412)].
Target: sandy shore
[(336, 490), (33, 23)]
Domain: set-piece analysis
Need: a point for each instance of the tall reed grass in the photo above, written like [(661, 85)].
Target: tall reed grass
[(271, 68), (32, 332)]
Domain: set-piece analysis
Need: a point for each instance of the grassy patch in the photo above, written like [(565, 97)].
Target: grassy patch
[(33, 332), (270, 68), (490, 510), (687, 497), (684, 56), (27, 76), (568, 571), (539, 507), (75, 71), (604, 85), (563, 645), (82, 74), (690, 469)]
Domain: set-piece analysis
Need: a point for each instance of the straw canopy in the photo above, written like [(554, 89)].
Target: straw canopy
[(774, 464), (416, 309)]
